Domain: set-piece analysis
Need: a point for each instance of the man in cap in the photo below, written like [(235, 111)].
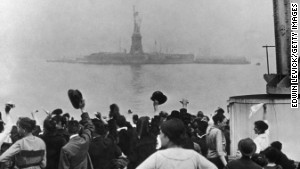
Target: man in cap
[(247, 148)]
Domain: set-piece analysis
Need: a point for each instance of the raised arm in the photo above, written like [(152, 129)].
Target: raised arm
[(9, 124), (86, 122)]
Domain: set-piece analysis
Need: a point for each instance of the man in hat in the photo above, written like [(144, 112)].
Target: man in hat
[(75, 153), (247, 148)]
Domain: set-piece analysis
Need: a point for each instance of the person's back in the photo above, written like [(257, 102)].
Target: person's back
[(143, 149), (102, 151), (54, 143), (247, 148), (282, 159), (272, 155), (124, 141), (201, 141), (285, 162), (28, 152), (75, 153), (243, 163), (177, 158)]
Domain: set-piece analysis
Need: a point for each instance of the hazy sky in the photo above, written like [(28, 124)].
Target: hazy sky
[(72, 28)]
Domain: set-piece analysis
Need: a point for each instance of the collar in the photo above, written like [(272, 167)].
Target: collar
[(215, 126), (121, 128), (201, 135), (74, 135), (263, 135), (271, 164)]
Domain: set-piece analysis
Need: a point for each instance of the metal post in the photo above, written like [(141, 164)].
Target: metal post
[(267, 57)]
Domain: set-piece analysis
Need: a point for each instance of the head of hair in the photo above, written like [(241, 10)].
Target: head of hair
[(114, 107), (185, 116), (218, 118), (261, 126), (73, 127), (49, 125), (220, 111), (201, 125), (121, 121), (58, 119), (200, 114), (259, 159), (163, 114), (247, 147), (174, 129), (114, 111), (277, 145), (66, 115), (100, 127), (271, 154), (174, 114), (135, 118), (26, 123), (205, 118)]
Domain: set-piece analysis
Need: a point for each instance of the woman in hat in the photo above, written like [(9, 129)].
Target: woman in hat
[(262, 140), (247, 148), (30, 151), (172, 136)]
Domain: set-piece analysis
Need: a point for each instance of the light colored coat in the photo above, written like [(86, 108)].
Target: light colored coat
[(176, 158)]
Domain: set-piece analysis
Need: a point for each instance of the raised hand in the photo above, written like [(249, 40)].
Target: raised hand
[(8, 107), (184, 103), (82, 105)]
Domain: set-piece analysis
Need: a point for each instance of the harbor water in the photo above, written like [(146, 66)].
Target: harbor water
[(37, 84)]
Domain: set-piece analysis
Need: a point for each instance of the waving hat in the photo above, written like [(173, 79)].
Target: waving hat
[(159, 96), (75, 97)]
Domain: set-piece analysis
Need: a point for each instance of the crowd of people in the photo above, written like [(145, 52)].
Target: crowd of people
[(174, 140)]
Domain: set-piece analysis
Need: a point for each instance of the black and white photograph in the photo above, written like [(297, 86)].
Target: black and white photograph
[(149, 84)]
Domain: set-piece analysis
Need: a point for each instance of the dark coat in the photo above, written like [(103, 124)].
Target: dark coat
[(285, 162), (243, 163), (74, 154), (202, 143), (142, 150), (102, 151), (125, 141), (54, 143), (63, 133)]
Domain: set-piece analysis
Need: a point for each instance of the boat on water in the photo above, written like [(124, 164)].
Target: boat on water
[(137, 56)]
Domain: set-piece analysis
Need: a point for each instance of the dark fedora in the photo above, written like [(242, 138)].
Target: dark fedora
[(75, 97), (57, 112), (247, 147), (159, 96)]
